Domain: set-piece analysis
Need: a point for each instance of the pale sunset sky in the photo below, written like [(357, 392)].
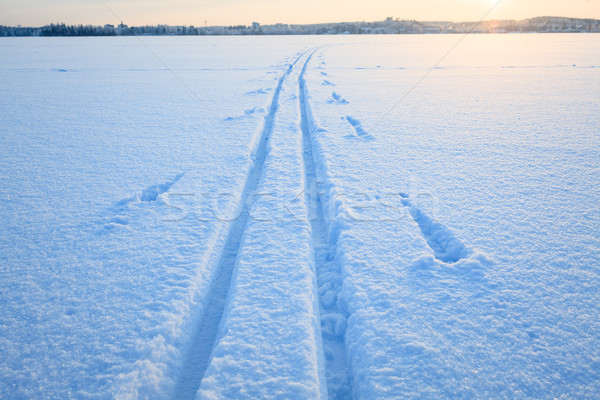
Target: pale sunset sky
[(234, 12)]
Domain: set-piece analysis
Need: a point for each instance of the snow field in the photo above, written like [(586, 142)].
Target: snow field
[(245, 225), (370, 289), (177, 366), (462, 314), (107, 257)]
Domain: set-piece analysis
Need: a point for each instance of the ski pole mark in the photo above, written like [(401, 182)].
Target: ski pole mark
[(247, 113), (116, 215), (337, 99), (199, 353), (258, 91), (358, 128), (445, 245), (329, 278), (151, 193)]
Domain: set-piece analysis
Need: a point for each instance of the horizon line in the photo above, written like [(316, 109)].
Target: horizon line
[(314, 23)]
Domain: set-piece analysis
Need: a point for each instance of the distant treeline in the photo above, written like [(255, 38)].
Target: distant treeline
[(387, 26)]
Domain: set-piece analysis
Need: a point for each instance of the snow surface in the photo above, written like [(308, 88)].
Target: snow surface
[(300, 217)]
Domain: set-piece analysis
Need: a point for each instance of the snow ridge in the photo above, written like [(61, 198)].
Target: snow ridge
[(333, 312), (198, 356)]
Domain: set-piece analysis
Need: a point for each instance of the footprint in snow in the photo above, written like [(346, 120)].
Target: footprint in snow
[(258, 91), (337, 99), (445, 245), (116, 216), (358, 128), (247, 113), (327, 83), (151, 193), (252, 110), (118, 221)]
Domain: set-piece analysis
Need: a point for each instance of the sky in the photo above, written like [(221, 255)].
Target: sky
[(244, 12)]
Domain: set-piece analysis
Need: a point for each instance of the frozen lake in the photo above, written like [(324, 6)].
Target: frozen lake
[(409, 216)]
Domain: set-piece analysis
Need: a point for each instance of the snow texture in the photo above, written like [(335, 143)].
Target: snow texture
[(300, 217)]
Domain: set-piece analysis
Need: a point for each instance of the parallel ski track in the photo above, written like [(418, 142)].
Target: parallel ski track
[(329, 278), (198, 357)]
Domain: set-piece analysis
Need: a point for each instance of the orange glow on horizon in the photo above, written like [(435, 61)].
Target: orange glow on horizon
[(243, 12)]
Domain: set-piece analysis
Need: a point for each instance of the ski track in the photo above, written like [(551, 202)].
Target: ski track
[(332, 312), (329, 277), (198, 356)]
